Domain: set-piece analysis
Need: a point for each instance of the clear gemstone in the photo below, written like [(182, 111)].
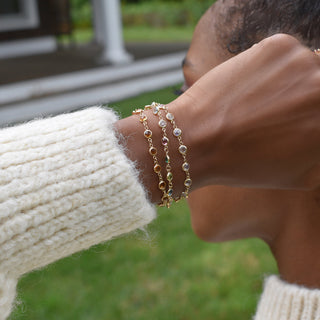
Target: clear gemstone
[(170, 116), (155, 110), (183, 149), (177, 132), (148, 134), (162, 123), (185, 166), (169, 176), (165, 141), (188, 182)]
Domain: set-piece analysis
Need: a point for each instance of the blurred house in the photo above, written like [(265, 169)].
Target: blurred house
[(40, 77), (29, 26)]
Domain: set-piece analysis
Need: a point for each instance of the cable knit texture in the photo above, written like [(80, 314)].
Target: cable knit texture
[(284, 301), (65, 185)]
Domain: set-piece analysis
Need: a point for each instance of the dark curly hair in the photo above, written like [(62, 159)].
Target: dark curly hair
[(249, 21)]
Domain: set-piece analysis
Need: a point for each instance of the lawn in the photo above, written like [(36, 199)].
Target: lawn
[(162, 273), (137, 34), (147, 21)]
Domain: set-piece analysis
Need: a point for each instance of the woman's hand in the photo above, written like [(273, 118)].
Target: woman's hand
[(255, 119), (252, 121)]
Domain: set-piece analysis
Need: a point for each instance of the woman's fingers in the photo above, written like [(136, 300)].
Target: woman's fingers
[(254, 120)]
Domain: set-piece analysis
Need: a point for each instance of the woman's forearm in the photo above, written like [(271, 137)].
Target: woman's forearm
[(252, 121)]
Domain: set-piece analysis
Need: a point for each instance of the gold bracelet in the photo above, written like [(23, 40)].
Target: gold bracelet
[(153, 152), (177, 132), (165, 142)]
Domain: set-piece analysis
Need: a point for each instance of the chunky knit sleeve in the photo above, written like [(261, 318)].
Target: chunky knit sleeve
[(284, 301), (65, 185)]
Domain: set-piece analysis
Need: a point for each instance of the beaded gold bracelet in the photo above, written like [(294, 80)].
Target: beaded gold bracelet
[(165, 142), (177, 132), (167, 198), (153, 152)]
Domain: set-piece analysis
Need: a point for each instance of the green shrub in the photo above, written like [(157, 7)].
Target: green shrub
[(151, 13), (164, 14), (81, 13)]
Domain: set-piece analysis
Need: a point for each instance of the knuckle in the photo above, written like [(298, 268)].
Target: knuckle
[(280, 41)]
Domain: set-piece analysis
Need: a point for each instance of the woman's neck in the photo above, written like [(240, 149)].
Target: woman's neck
[(296, 247)]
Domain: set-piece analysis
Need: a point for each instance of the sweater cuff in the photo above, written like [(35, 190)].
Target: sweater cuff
[(284, 301), (65, 185), (7, 295)]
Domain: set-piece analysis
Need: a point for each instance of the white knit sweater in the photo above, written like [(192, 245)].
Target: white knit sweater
[(284, 301), (65, 185)]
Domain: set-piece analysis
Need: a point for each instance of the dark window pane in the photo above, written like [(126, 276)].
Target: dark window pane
[(10, 7)]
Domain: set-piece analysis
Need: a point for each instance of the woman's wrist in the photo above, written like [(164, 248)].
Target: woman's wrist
[(196, 114), (137, 148)]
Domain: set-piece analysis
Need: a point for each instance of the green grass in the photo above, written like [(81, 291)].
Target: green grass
[(166, 34), (145, 21), (138, 34), (165, 273), (124, 108)]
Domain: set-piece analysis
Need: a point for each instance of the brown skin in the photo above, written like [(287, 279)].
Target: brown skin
[(257, 126), (288, 221), (252, 121)]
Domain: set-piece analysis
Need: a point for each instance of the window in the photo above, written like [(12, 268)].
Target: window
[(18, 14)]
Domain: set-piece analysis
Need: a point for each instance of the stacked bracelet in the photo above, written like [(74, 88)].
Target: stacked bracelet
[(167, 193), (153, 152), (177, 132), (165, 142)]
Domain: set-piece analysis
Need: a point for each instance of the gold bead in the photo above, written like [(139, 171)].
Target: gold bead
[(148, 133), (143, 117), (188, 183), (136, 111), (153, 151), (185, 166), (183, 149), (162, 185)]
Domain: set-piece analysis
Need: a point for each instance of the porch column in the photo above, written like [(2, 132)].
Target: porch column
[(108, 31)]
